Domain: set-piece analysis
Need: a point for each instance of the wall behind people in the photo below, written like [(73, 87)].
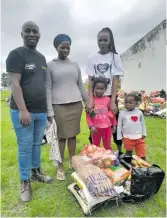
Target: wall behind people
[(145, 62)]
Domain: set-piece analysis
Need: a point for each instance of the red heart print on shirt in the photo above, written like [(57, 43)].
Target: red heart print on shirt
[(134, 118)]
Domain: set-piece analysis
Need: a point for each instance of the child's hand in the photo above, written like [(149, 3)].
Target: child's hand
[(143, 136), (93, 130), (91, 113), (114, 129)]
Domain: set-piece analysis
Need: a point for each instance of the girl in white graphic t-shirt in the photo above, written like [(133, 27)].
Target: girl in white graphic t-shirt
[(107, 63)]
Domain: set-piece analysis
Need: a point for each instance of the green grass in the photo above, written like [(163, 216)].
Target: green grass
[(54, 200)]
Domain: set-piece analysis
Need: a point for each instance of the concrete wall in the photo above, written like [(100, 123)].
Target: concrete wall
[(145, 62)]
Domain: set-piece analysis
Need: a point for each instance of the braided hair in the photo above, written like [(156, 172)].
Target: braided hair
[(112, 43)]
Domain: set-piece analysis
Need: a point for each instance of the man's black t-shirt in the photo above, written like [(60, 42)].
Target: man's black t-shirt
[(32, 67)]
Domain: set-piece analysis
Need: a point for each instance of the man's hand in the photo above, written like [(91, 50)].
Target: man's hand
[(25, 118), (50, 119), (93, 130), (113, 107), (114, 129)]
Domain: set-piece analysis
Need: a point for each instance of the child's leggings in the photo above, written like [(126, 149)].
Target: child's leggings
[(105, 134)]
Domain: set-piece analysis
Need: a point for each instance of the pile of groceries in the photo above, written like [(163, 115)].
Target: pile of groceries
[(153, 104), (101, 177)]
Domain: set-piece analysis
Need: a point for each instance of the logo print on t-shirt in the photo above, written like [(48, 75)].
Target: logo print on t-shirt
[(30, 66), (102, 68)]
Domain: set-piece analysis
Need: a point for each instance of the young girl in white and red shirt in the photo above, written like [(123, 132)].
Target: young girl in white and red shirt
[(102, 120)]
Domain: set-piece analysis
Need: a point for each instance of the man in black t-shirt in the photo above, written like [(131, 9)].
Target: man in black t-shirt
[(28, 109)]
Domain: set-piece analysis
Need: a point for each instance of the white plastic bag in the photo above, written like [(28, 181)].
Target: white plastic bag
[(51, 136)]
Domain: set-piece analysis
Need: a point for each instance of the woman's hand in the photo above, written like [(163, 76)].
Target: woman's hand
[(113, 107), (90, 105)]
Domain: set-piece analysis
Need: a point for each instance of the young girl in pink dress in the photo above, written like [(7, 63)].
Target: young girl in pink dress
[(101, 120)]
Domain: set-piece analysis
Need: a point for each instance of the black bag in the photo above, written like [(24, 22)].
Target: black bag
[(145, 182)]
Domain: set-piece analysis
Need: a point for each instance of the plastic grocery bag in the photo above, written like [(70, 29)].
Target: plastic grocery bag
[(147, 180), (95, 179), (52, 139), (117, 176), (100, 156)]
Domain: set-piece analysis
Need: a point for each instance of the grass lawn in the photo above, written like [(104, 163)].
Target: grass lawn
[(54, 200)]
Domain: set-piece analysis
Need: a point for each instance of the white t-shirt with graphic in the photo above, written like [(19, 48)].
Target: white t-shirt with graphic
[(107, 65)]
